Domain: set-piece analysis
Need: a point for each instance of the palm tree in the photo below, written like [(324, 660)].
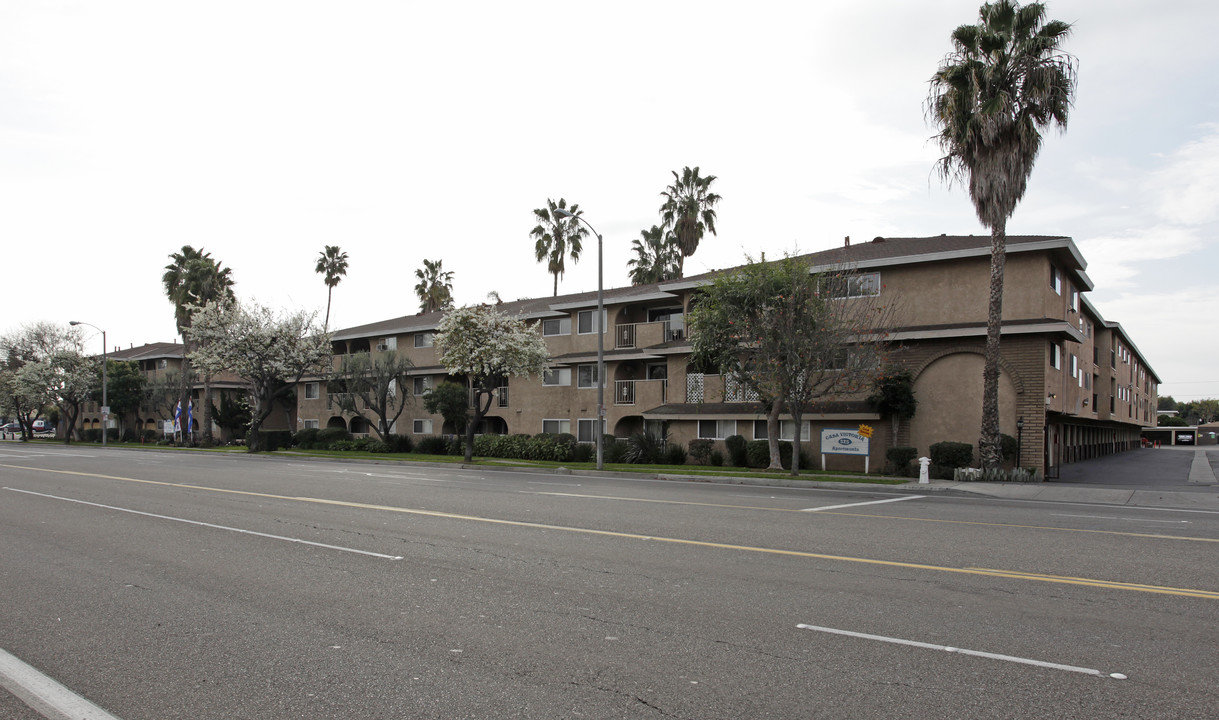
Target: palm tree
[(656, 257), (1004, 82), (688, 211), (331, 262), (435, 286), (557, 237), (194, 279)]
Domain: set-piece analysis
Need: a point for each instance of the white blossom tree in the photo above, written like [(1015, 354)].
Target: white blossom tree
[(374, 386), (487, 346), (42, 364), (270, 351)]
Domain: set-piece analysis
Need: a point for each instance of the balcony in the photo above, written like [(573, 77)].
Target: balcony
[(634, 335), (647, 393)]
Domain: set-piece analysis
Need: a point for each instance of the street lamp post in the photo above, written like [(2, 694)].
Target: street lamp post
[(1019, 438), (105, 405), (600, 429)]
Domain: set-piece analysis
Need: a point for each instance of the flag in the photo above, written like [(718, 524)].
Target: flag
[(177, 417), (190, 416)]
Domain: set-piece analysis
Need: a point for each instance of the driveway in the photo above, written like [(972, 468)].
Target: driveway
[(1163, 468)]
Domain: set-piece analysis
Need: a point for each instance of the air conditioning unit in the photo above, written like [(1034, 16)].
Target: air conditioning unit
[(382, 347)]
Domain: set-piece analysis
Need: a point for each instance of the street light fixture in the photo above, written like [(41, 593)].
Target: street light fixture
[(105, 406), (600, 430)]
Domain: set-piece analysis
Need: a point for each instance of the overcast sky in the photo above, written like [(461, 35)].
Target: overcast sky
[(263, 131)]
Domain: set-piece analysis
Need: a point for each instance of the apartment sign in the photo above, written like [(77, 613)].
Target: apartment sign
[(842, 441)]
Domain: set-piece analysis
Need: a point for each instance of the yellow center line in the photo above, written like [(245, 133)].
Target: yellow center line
[(1155, 536), (1009, 574)]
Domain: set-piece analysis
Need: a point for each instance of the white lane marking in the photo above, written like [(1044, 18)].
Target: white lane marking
[(554, 483), (1110, 517), (211, 525), (961, 651), (870, 502), (47, 697)]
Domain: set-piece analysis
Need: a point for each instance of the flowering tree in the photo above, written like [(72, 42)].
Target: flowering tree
[(270, 352), (41, 365), (794, 336), (487, 346)]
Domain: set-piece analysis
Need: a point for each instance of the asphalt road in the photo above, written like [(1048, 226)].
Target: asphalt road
[(161, 585)]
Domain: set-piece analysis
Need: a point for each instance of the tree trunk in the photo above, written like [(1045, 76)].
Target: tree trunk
[(480, 411), (207, 412), (796, 417), (772, 436), (988, 444)]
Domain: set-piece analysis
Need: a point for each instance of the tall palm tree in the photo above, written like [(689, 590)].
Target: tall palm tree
[(435, 286), (1005, 81), (557, 237), (193, 278), (656, 257), (688, 211), (331, 262)]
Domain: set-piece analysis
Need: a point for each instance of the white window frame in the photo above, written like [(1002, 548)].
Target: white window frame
[(1055, 280), (583, 423), (556, 377), (313, 424), (787, 430), (421, 426), (591, 369), (421, 382), (387, 343), (315, 389), (1073, 364), (557, 426), (1055, 356), (723, 429), (590, 314), (564, 326), (424, 339)]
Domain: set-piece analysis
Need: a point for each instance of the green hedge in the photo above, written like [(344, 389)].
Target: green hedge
[(900, 459)]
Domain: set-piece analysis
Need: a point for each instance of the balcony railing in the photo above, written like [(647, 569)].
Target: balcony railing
[(737, 391), (625, 391), (501, 397), (627, 335)]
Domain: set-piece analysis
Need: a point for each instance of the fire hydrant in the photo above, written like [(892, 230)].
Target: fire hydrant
[(924, 474)]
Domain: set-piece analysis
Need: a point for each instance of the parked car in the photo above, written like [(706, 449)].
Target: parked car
[(13, 427), (43, 426)]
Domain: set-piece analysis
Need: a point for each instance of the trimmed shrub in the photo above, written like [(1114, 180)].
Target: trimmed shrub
[(612, 450), (1007, 446), (757, 453), (946, 457), (377, 446), (269, 440), (900, 459), (432, 445), (737, 456), (583, 452), (676, 454), (700, 450), (398, 443), (305, 439), (326, 437), (717, 458), (91, 436)]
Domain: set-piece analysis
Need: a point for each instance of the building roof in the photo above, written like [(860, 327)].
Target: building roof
[(150, 351)]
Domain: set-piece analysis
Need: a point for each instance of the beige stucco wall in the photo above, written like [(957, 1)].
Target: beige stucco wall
[(949, 393)]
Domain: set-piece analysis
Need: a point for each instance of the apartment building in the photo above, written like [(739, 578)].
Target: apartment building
[(1073, 385)]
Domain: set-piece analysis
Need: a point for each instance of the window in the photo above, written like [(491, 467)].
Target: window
[(716, 429), (556, 326), (1074, 300), (421, 427), (1055, 356), (586, 430), (424, 340), (1055, 280), (388, 343), (312, 391), (313, 424), (587, 321), (422, 384), (759, 430), (787, 430), (556, 426), (556, 376), (852, 286), (1074, 365), (586, 376), (162, 364)]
